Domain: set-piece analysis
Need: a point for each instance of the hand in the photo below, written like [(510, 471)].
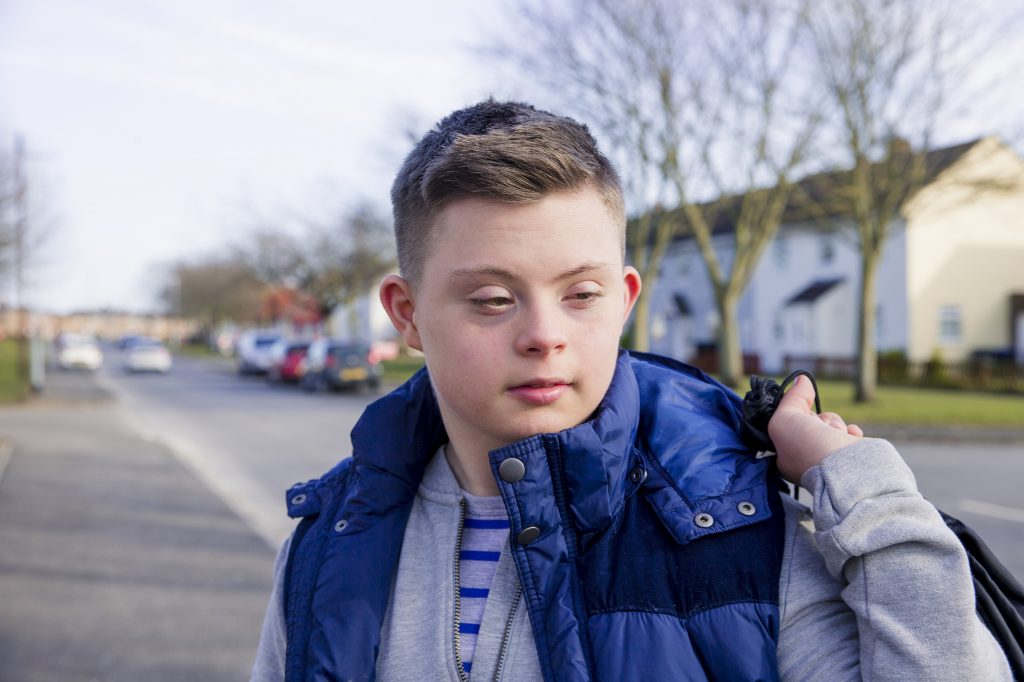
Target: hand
[(802, 438)]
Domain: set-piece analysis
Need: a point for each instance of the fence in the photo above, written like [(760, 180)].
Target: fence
[(981, 374)]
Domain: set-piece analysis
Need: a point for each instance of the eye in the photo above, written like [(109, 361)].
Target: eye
[(583, 296), (491, 299)]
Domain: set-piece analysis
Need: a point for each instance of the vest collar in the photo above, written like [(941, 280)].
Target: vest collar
[(690, 447)]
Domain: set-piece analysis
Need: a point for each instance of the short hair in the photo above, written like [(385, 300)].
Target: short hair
[(507, 151)]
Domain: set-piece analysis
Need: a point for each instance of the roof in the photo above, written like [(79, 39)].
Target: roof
[(818, 195), (814, 291)]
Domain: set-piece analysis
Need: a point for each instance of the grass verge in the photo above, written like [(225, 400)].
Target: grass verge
[(398, 370), (12, 387), (924, 406)]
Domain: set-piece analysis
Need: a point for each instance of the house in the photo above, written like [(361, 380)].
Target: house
[(362, 319), (950, 281)]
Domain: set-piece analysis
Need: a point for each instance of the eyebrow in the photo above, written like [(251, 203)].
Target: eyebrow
[(495, 271)]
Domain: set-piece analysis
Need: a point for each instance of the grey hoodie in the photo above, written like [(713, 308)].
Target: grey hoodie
[(873, 587)]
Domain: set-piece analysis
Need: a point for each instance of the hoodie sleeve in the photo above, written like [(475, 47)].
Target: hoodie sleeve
[(270, 656), (874, 585)]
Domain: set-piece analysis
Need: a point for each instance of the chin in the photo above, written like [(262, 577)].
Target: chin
[(551, 423)]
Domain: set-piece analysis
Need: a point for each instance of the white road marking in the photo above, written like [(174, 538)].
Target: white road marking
[(235, 487), (996, 511), (5, 456)]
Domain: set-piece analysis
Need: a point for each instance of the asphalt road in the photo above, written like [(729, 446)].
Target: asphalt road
[(246, 439), (250, 441)]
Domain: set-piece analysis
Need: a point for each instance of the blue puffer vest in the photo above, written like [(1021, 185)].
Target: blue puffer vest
[(659, 549)]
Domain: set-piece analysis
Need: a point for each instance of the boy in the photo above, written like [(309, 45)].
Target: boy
[(544, 506)]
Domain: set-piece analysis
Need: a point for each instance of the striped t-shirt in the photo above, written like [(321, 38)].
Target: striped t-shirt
[(484, 534)]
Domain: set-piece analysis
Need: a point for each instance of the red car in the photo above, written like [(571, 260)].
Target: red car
[(288, 360)]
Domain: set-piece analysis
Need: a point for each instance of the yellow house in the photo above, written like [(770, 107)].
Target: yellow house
[(965, 257)]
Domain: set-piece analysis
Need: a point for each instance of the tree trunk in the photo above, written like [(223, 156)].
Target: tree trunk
[(866, 378), (730, 359), (641, 336)]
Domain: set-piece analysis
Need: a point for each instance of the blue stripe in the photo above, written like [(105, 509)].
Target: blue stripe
[(469, 628), (473, 555), (473, 592), (487, 523), (467, 666)]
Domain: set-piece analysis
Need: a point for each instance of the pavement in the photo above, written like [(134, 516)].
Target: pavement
[(116, 562)]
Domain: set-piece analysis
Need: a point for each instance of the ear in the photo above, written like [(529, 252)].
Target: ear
[(397, 299), (632, 285)]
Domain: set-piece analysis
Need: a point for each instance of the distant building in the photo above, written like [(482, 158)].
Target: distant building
[(104, 324), (363, 319), (950, 281)]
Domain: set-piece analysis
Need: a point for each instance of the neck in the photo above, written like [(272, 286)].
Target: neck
[(471, 470)]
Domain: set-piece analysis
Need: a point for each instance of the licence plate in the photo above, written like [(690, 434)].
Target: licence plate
[(352, 374)]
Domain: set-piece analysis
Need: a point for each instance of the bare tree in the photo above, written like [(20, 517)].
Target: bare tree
[(346, 257), (275, 256), (703, 105), (27, 221), (891, 70), (214, 289)]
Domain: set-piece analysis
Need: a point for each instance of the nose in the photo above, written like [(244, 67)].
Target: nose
[(541, 332)]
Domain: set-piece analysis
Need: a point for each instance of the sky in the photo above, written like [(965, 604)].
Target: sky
[(158, 130), (163, 130)]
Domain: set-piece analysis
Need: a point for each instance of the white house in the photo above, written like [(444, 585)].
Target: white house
[(950, 281), (363, 319)]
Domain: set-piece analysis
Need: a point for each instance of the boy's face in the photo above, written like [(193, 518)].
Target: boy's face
[(519, 314)]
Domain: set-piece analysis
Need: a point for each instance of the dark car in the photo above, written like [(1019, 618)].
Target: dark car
[(333, 364)]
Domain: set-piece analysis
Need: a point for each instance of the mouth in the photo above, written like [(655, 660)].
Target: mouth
[(540, 391)]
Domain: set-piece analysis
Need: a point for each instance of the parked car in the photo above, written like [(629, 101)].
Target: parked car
[(253, 350), (287, 359), (127, 340), (78, 351), (334, 364), (146, 355)]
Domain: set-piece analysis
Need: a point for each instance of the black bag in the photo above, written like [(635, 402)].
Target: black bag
[(999, 598)]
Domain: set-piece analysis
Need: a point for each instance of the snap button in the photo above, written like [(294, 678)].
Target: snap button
[(638, 475), (704, 520), (528, 535), (512, 470), (746, 508), (341, 525), (298, 499)]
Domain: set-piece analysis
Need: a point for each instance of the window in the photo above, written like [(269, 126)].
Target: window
[(781, 250), (949, 324), (828, 248)]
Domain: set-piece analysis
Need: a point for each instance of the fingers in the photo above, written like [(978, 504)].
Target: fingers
[(837, 422), (833, 420), (799, 397)]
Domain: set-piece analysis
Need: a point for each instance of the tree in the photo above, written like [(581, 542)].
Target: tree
[(890, 69), (214, 289), (703, 105), (346, 257), (26, 220)]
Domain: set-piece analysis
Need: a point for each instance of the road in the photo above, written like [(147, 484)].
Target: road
[(246, 439), (249, 441)]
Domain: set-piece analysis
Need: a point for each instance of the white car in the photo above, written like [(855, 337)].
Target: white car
[(147, 355), (254, 350), (77, 351)]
